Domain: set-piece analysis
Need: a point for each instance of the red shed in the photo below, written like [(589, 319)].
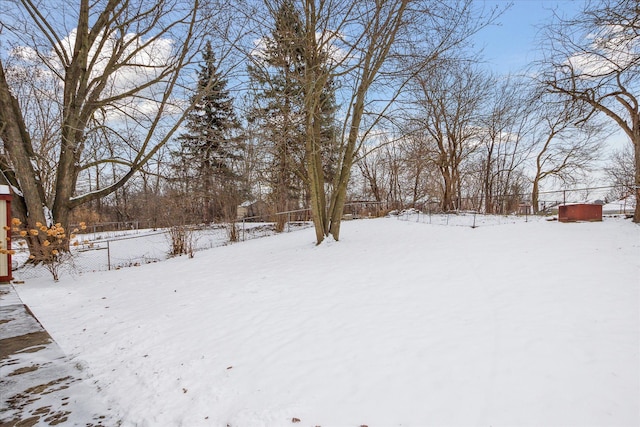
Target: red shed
[(580, 212)]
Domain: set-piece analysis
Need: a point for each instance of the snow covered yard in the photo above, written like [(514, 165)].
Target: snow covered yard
[(398, 324)]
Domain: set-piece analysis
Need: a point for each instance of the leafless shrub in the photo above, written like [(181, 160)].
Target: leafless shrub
[(182, 240)]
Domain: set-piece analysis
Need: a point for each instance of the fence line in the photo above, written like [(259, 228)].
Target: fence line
[(107, 251), (508, 203), (113, 252), (363, 208), (470, 219)]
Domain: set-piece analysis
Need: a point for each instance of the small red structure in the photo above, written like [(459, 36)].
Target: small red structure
[(5, 236), (580, 212)]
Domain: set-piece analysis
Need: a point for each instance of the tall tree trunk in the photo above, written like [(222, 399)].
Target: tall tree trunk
[(488, 184), (447, 189), (30, 203), (416, 184), (74, 120), (282, 186), (315, 80), (316, 180), (535, 195), (339, 196)]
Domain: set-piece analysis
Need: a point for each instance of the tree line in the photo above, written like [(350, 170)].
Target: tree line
[(176, 113)]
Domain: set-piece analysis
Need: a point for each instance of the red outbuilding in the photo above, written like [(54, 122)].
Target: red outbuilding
[(580, 212)]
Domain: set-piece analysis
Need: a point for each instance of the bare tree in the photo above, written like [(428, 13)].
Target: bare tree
[(562, 149), (37, 94), (376, 47), (594, 59), (121, 70), (371, 168), (620, 171), (451, 107), (504, 148), (420, 172)]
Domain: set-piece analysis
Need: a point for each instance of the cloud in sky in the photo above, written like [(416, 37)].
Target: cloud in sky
[(139, 62), (611, 50)]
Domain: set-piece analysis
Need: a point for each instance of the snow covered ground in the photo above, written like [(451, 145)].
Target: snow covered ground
[(401, 323)]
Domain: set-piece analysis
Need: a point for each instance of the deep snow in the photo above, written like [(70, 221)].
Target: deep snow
[(399, 324)]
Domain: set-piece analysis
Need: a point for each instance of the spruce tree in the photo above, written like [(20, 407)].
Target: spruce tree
[(279, 110), (211, 144)]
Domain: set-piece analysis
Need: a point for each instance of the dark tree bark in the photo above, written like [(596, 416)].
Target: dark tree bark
[(100, 50)]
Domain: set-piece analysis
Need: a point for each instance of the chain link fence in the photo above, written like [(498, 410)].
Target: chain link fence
[(458, 219), (111, 246), (617, 199), (112, 250)]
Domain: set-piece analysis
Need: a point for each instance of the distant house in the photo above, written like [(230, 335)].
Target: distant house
[(624, 206), (255, 210), (525, 209)]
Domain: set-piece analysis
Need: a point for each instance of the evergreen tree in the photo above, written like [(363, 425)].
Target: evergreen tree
[(211, 145), (279, 109)]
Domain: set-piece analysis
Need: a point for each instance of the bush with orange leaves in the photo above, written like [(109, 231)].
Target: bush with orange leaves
[(50, 248)]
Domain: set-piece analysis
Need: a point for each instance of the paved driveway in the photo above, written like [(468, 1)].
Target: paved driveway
[(39, 384)]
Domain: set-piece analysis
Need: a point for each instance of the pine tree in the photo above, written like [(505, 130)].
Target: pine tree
[(211, 144), (279, 109)]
